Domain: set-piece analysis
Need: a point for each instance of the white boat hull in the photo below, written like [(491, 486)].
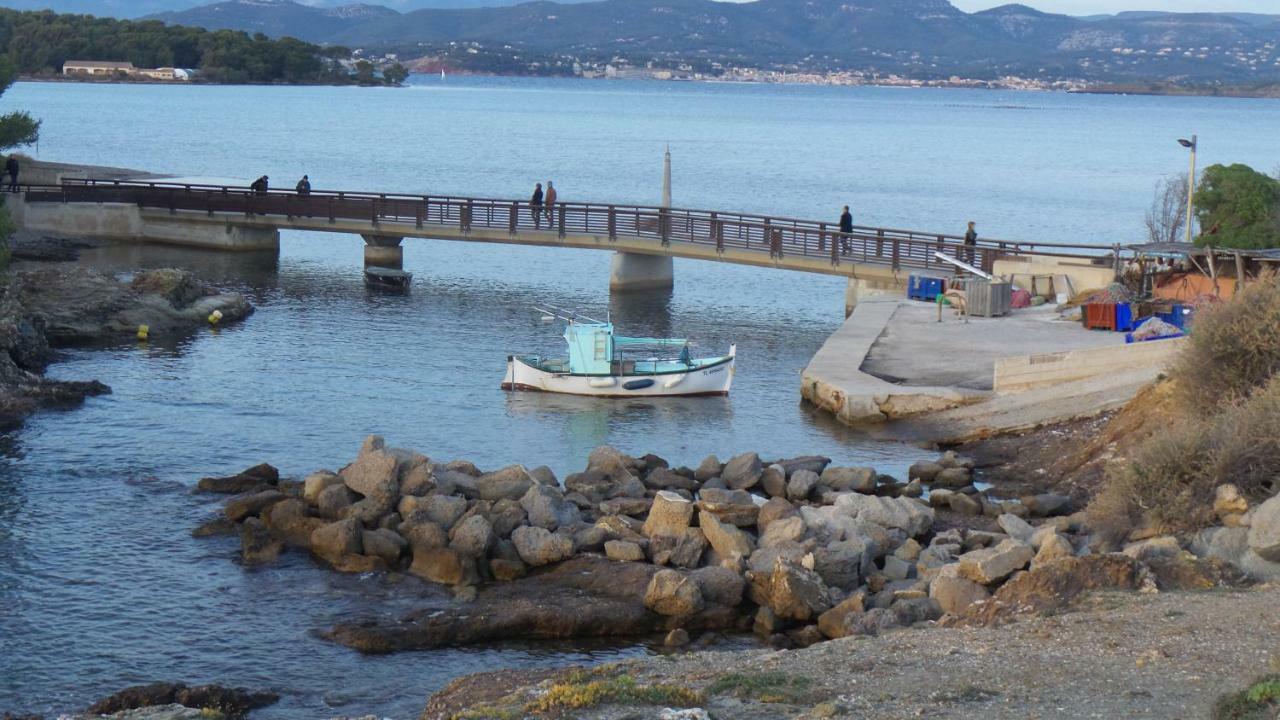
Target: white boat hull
[(711, 380)]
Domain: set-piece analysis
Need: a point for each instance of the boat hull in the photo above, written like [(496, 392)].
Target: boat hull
[(710, 380)]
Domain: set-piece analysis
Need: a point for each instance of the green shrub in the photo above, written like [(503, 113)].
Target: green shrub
[(1234, 348), (1261, 701)]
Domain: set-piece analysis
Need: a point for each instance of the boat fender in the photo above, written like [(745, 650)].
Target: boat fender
[(638, 384), (675, 380), (603, 382)]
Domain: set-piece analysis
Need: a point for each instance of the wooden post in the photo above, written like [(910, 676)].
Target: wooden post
[(1213, 270), (1239, 271)]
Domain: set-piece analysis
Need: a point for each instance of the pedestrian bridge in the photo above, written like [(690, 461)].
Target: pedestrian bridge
[(644, 237)]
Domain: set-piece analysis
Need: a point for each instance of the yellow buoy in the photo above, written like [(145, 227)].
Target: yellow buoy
[(144, 331), (214, 317)]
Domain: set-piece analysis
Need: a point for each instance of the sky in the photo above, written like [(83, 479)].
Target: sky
[(1092, 7)]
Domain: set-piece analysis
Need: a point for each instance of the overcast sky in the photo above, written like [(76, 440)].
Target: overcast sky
[(1091, 7)]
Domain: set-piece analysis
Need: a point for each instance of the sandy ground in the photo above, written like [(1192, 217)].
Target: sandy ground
[(1116, 655), (916, 349)]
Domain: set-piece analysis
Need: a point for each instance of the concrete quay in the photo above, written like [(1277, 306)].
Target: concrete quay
[(894, 368)]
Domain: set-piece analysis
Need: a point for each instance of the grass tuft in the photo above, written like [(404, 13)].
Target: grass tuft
[(576, 693), (767, 687)]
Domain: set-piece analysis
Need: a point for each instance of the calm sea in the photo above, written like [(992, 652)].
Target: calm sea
[(100, 584)]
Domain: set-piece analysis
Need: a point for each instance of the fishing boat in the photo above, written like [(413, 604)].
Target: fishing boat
[(602, 364)]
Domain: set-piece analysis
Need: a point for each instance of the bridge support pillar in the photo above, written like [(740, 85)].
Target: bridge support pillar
[(860, 289), (383, 251), (634, 271)]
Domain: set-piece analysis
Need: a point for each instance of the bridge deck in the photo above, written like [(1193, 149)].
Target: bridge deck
[(790, 243)]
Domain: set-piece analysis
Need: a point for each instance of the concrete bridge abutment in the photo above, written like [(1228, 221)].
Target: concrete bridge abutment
[(865, 288), (129, 223), (636, 271), (383, 251)]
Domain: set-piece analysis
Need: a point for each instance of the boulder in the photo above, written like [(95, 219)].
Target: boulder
[(953, 593), (924, 471), (251, 505), (742, 471), (1016, 527), (794, 592), (257, 545), (662, 478), (1052, 547), (844, 563), (418, 478), (337, 539), (288, 520), (443, 510), (383, 544), (727, 539), (370, 509), (505, 516), (735, 507), (597, 487), (510, 483), (472, 536), (913, 489), (207, 700), (1055, 585), (775, 509), (911, 516), (1232, 545), (1227, 500), (683, 551), (334, 500), (374, 473), (673, 594), (609, 460), (719, 585), (991, 565), (544, 475), (538, 546), (316, 482), (465, 467), (588, 538), (1046, 504), (633, 507), (443, 565), (670, 515), (1264, 530), (254, 479), (954, 477), (424, 535), (547, 508), (837, 622), (1145, 550), (965, 505), (773, 481), (813, 463), (453, 482), (623, 551), (784, 530), (506, 570), (895, 568), (707, 469), (850, 479), (908, 612), (801, 485), (940, 498)]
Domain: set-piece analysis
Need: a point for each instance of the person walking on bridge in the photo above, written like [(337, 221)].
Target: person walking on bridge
[(551, 204), (304, 186), (535, 206), (11, 167), (259, 186), (971, 243), (846, 229)]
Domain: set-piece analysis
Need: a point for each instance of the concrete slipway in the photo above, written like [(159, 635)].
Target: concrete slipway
[(892, 361)]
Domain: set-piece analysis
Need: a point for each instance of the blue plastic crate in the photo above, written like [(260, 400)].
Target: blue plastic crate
[(1124, 317), (923, 287)]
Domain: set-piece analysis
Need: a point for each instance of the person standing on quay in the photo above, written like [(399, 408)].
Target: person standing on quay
[(971, 243), (11, 167), (304, 186), (535, 206), (551, 202), (846, 229)]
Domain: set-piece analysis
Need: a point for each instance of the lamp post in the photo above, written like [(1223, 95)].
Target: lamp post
[(1191, 180)]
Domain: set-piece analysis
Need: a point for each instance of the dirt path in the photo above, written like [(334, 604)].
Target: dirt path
[(1117, 655)]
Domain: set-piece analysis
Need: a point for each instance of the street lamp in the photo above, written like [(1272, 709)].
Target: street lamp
[(1191, 179)]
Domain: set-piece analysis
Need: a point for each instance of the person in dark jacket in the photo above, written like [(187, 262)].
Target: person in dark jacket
[(971, 243), (846, 228), (259, 186), (535, 206), (304, 186), (11, 167)]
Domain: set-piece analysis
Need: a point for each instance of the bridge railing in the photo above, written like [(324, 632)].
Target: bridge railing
[(780, 237)]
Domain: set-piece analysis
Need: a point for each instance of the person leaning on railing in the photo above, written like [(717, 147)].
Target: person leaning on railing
[(971, 243), (304, 186), (11, 168)]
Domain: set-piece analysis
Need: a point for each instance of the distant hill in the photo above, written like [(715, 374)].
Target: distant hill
[(922, 39), (141, 8)]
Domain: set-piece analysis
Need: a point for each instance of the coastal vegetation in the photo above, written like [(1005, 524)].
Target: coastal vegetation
[(1238, 207), (38, 43), (1223, 412)]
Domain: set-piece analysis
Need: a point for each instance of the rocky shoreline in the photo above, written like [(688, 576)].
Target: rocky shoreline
[(44, 307)]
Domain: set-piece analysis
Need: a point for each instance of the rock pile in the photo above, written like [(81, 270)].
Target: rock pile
[(800, 549)]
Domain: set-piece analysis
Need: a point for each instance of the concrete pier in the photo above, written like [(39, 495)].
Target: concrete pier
[(862, 289), (383, 251), (633, 271), (130, 223)]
